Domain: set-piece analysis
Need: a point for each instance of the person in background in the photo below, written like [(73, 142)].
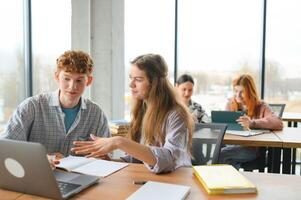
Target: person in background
[(184, 87), (58, 118), (161, 127), (258, 115)]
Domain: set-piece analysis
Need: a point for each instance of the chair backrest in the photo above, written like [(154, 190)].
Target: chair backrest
[(277, 108), (206, 143)]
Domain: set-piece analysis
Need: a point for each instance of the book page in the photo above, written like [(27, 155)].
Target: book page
[(101, 168), (71, 162)]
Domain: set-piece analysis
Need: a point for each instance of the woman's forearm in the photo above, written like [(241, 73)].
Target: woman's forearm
[(136, 150)]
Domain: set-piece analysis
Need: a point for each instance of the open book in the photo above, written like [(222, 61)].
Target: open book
[(90, 166), (223, 179), (156, 190)]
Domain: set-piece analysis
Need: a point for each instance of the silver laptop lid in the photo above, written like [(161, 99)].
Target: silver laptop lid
[(24, 168)]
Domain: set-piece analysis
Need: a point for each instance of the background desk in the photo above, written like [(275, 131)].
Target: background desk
[(291, 139), (269, 140), (120, 185), (288, 140), (292, 119), (263, 140)]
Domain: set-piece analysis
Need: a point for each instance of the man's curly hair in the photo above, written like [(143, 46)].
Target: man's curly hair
[(75, 61)]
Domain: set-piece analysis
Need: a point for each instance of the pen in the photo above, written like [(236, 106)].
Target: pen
[(248, 129), (139, 182)]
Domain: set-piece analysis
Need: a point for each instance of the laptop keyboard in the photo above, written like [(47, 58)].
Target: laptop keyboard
[(65, 188)]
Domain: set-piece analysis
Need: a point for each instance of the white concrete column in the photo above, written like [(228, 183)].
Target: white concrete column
[(81, 25), (98, 28), (81, 29)]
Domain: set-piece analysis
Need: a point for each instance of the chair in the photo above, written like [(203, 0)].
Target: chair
[(261, 161), (277, 108), (206, 143)]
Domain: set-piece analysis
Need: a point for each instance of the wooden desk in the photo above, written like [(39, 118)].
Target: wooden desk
[(8, 195), (292, 119), (120, 186), (263, 140), (269, 140), (291, 139)]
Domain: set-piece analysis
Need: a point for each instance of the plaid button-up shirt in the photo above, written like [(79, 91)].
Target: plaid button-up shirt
[(41, 119), (198, 112)]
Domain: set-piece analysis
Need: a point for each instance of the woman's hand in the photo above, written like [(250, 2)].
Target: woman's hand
[(98, 147), (244, 121)]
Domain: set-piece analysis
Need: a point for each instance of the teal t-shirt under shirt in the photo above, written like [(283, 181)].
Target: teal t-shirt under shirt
[(70, 115)]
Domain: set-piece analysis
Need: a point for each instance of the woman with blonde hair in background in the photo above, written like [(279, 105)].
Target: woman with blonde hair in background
[(161, 127), (258, 115)]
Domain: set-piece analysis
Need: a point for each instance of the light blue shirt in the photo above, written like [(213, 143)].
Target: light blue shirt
[(70, 115)]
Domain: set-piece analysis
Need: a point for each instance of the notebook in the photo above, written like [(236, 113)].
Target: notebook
[(248, 133), (223, 179), (90, 166), (24, 168), (152, 190)]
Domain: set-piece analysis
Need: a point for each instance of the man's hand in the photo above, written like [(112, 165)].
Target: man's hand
[(52, 159)]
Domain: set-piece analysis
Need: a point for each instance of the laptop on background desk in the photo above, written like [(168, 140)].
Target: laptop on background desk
[(234, 128), (24, 168)]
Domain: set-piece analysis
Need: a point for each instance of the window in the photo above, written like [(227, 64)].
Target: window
[(218, 40), (283, 54), (51, 36), (149, 28), (11, 58)]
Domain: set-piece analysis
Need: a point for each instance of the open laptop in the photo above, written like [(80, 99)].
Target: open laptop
[(24, 168), (229, 118)]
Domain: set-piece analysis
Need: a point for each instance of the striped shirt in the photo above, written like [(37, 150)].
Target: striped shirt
[(41, 119), (173, 153)]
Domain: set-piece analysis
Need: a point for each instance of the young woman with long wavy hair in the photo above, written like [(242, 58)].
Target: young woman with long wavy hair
[(161, 127), (258, 115)]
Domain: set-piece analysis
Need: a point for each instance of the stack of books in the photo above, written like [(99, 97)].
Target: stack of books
[(119, 127)]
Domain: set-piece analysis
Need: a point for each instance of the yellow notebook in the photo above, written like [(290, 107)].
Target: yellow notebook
[(223, 179)]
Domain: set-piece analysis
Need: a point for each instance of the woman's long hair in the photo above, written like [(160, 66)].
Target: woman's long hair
[(250, 97), (149, 115)]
